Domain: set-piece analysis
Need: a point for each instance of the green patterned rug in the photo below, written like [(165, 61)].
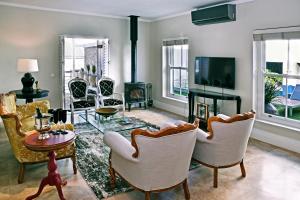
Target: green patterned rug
[(92, 155)]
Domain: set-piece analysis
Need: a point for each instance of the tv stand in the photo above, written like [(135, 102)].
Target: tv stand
[(211, 95)]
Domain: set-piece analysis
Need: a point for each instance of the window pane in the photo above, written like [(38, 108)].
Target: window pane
[(184, 82), (275, 95), (177, 55), (79, 63), (293, 102), (175, 81), (276, 56), (294, 57), (185, 49)]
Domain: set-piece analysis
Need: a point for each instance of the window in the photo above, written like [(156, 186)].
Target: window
[(277, 64), (175, 69)]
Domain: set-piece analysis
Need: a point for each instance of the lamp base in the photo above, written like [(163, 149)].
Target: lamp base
[(27, 82)]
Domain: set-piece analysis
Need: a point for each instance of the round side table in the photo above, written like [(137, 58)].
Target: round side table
[(30, 96), (49, 145)]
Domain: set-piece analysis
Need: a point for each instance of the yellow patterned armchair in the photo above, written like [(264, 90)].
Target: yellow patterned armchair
[(18, 120)]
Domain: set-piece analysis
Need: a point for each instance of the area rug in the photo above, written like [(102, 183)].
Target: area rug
[(92, 158), (93, 154)]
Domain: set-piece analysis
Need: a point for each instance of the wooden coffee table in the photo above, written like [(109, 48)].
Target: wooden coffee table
[(55, 142)]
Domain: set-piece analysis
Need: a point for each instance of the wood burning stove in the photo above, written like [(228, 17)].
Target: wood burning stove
[(135, 93)]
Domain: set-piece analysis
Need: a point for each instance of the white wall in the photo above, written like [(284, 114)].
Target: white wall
[(233, 39), (26, 33)]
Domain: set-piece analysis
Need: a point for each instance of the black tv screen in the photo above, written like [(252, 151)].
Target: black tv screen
[(215, 71)]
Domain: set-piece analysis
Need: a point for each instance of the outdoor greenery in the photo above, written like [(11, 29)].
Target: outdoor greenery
[(272, 88), (296, 112)]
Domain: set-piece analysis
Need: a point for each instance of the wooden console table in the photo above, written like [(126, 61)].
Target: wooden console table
[(211, 95)]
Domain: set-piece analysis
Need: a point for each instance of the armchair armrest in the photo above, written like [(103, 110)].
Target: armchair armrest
[(17, 120), (225, 117), (120, 145), (202, 136)]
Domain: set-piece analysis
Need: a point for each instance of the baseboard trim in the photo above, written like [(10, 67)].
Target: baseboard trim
[(277, 140), (182, 111)]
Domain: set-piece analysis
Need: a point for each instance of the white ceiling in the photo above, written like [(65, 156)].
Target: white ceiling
[(147, 9)]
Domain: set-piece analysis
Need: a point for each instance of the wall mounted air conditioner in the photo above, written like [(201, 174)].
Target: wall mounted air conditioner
[(214, 14)]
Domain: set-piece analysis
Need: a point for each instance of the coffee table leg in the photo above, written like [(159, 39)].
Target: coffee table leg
[(53, 178)]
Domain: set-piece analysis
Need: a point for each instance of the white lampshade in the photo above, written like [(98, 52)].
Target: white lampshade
[(27, 65)]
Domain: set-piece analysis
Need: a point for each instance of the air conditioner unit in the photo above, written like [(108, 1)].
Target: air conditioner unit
[(214, 14)]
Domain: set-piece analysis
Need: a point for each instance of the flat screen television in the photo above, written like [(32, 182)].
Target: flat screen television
[(215, 71)]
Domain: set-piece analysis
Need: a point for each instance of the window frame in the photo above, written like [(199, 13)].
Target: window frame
[(167, 69), (259, 66)]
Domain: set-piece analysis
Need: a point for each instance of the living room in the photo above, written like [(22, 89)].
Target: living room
[(40, 30)]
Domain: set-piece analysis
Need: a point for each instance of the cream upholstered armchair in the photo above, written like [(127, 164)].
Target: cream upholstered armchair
[(226, 142), (18, 120), (153, 161)]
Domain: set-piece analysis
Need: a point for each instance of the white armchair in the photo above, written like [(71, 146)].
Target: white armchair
[(153, 162), (226, 142)]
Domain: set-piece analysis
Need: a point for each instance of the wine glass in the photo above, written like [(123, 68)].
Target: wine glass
[(63, 118), (55, 120), (55, 116)]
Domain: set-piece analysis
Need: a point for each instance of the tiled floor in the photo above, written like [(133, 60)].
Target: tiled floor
[(272, 173)]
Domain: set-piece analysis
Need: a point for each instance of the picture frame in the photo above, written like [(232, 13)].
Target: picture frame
[(202, 111)]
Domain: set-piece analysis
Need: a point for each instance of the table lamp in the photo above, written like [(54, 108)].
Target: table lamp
[(27, 66)]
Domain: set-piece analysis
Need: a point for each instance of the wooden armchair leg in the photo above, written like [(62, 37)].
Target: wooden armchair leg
[(112, 177), (147, 195), (215, 177), (21, 173), (74, 163), (243, 169), (186, 190), (112, 173)]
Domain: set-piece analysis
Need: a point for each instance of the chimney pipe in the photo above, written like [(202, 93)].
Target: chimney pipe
[(133, 38)]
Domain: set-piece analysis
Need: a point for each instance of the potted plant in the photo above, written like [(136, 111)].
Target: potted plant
[(272, 88), (93, 76), (94, 69)]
